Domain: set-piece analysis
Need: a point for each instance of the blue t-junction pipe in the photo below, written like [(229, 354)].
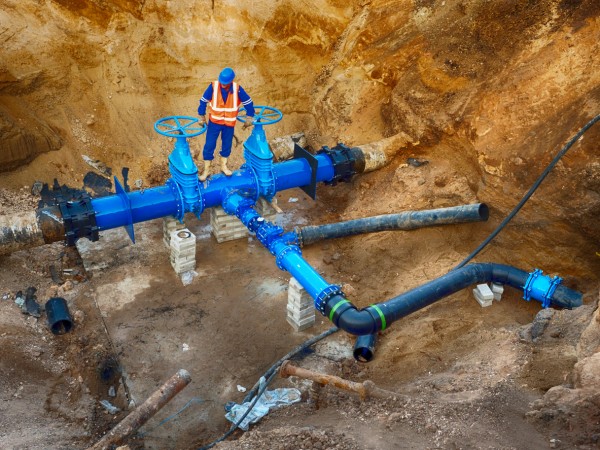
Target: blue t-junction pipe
[(113, 212)]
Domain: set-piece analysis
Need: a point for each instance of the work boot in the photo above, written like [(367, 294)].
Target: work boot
[(206, 171), (224, 168)]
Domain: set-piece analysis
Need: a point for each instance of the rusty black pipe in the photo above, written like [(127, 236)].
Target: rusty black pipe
[(24, 230)]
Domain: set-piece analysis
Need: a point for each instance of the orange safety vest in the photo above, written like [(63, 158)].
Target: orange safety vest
[(224, 113)]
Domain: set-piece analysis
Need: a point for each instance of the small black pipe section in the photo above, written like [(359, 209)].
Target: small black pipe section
[(377, 317), (409, 220), (364, 348), (59, 318)]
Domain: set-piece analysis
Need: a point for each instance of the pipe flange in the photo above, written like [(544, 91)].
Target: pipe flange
[(179, 197), (547, 297), (79, 219), (281, 255), (324, 296)]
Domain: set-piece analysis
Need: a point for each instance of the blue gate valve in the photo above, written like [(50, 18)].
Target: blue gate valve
[(184, 174), (258, 155)]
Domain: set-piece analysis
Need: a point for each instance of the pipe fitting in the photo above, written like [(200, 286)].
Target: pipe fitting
[(364, 348), (59, 318)]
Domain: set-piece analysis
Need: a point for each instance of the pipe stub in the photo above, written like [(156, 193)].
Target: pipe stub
[(59, 318), (364, 348)]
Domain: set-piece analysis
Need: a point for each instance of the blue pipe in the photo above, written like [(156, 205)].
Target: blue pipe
[(297, 172), (288, 256), (169, 200), (145, 205)]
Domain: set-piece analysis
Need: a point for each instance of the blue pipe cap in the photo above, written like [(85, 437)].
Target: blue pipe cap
[(226, 76)]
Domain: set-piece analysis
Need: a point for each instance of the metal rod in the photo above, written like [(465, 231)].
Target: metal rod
[(145, 411), (364, 390)]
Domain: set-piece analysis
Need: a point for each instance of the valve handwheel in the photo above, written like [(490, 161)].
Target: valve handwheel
[(179, 126), (265, 115)]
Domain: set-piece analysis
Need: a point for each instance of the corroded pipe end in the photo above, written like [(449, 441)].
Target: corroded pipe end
[(283, 370), (25, 230), (184, 375)]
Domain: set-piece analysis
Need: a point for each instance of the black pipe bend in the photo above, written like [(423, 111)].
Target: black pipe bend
[(377, 317)]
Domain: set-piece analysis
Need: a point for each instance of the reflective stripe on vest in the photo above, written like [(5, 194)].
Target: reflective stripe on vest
[(224, 113)]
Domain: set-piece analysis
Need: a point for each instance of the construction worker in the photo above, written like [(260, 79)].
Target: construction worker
[(225, 98)]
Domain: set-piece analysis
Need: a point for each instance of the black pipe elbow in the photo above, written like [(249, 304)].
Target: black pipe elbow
[(346, 316)]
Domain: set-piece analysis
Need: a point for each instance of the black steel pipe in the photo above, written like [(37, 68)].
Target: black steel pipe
[(409, 220), (377, 317)]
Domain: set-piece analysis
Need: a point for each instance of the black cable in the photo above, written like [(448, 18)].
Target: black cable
[(270, 376), (239, 422), (533, 188), (290, 355)]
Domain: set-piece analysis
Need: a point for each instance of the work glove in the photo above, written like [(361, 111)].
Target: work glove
[(249, 122), (202, 121)]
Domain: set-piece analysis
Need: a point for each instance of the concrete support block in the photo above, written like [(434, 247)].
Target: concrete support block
[(484, 295), (183, 250), (498, 290), (300, 307), (170, 224), (225, 227), (228, 228)]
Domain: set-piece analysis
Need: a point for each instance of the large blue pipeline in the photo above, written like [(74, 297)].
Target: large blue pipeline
[(259, 176)]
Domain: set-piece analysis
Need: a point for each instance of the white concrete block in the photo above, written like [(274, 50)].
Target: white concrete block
[(498, 290), (226, 227), (300, 326), (170, 224), (484, 295)]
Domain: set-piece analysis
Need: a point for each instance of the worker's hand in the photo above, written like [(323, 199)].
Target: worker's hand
[(202, 121), (249, 122)]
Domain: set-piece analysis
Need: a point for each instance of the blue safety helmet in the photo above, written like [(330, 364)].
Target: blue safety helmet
[(226, 76)]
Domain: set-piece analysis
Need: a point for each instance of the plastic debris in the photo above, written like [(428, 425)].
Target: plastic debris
[(98, 165), (417, 162), (293, 200), (188, 277), (241, 388), (31, 307), (268, 400), (185, 347), (19, 299), (112, 409), (112, 392)]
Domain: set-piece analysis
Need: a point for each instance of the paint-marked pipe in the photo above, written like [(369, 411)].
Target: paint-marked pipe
[(145, 411), (364, 390)]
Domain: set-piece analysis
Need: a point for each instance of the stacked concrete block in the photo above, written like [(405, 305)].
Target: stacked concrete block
[(484, 295), (170, 224), (267, 210), (228, 228), (498, 290), (225, 227), (300, 309), (183, 250)]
